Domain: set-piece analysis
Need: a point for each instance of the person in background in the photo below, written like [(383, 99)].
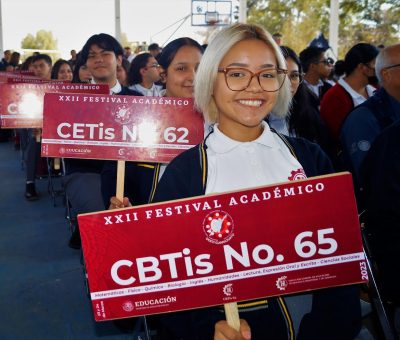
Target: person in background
[(278, 38), (5, 60), (61, 70), (42, 65), (179, 61), (101, 54), (123, 71), (27, 65), (128, 55), (154, 50), (15, 59), (352, 90), (302, 120), (143, 75), (365, 123), (81, 74), (316, 66), (72, 61)]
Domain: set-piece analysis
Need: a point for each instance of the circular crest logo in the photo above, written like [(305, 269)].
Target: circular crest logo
[(297, 175), (127, 306), (218, 227), (228, 289), (62, 150), (123, 115), (282, 283)]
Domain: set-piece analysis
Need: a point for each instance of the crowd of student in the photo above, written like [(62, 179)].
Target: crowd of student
[(261, 101)]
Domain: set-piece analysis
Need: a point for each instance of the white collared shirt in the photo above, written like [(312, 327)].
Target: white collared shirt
[(234, 165), (154, 91), (357, 98), (117, 88), (314, 88)]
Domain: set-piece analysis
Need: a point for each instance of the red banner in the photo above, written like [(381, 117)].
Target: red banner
[(21, 104), (153, 129), (6, 76), (216, 249)]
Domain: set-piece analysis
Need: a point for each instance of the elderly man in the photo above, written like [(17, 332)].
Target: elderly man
[(366, 121)]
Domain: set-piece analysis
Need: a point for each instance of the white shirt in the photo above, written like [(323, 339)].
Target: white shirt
[(234, 165), (154, 91), (357, 98), (117, 88), (314, 88)]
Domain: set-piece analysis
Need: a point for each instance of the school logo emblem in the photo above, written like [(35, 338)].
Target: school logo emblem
[(228, 289), (218, 227), (127, 306), (297, 175), (282, 283), (123, 115)]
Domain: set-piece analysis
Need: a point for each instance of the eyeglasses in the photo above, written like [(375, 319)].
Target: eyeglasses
[(296, 77), (327, 61), (239, 79), (153, 66), (391, 66)]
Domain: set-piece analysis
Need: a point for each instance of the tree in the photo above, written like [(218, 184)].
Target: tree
[(299, 21), (43, 40)]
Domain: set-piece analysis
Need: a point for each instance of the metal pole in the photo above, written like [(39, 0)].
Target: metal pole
[(1, 31), (243, 11), (334, 27), (118, 20)]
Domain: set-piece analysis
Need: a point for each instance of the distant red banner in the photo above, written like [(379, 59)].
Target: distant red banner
[(216, 249), (21, 104), (6, 76), (154, 129)]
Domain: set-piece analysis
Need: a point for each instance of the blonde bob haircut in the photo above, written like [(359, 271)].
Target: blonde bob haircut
[(218, 47)]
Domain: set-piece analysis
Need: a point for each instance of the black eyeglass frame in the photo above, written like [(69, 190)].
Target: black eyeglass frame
[(280, 71), (391, 66)]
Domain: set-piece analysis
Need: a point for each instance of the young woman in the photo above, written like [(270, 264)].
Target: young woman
[(81, 73), (178, 61), (143, 75), (123, 71), (240, 80), (61, 70)]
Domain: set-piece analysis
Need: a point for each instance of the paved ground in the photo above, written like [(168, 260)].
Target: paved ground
[(42, 293)]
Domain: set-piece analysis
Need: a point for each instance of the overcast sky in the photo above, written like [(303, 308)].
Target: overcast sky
[(72, 22)]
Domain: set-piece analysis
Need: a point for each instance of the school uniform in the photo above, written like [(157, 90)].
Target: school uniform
[(220, 164)]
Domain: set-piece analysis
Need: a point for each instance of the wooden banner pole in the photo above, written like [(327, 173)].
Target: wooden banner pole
[(120, 180), (232, 315)]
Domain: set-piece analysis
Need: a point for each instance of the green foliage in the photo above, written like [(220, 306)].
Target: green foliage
[(300, 21), (43, 40)]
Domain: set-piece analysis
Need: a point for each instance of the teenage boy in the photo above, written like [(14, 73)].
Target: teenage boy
[(317, 67), (42, 65), (102, 53)]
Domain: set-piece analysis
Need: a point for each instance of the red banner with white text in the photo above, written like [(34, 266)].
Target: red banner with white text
[(152, 129), (216, 249), (21, 104)]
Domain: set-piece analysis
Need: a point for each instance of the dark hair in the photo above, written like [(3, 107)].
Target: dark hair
[(309, 56), (103, 41), (27, 62), (153, 47), (361, 53), (168, 52), (339, 68), (57, 66), (44, 57), (14, 60), (288, 53), (78, 64), (140, 61)]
